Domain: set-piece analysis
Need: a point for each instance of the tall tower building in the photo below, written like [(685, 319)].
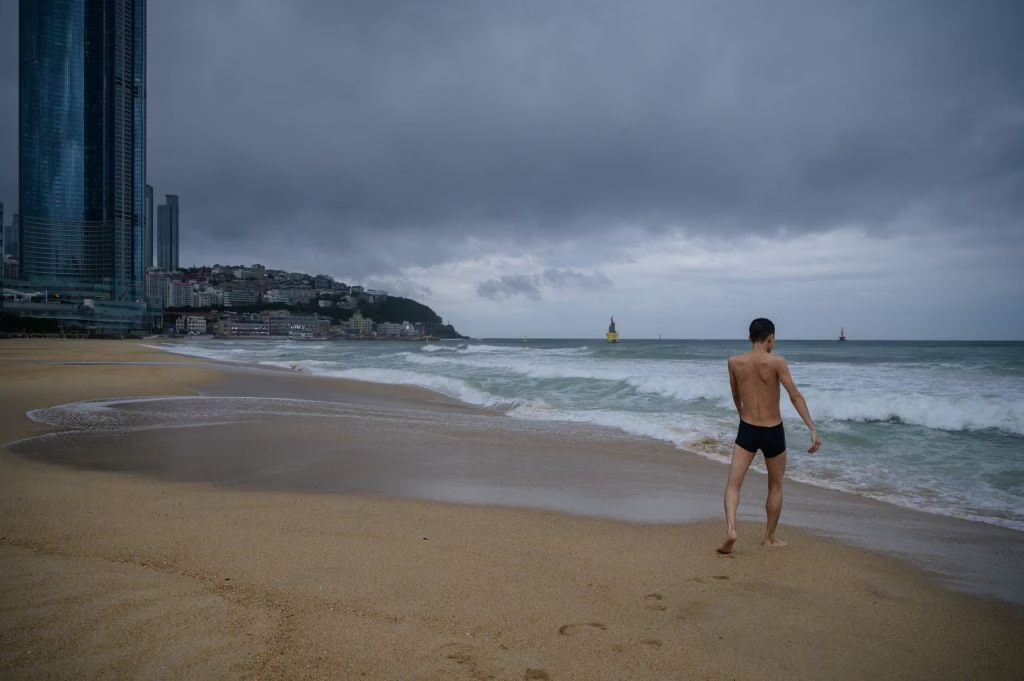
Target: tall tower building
[(167, 234), (148, 228), (12, 242), (163, 239), (82, 146)]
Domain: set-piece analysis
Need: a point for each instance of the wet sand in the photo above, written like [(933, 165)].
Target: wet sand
[(317, 553)]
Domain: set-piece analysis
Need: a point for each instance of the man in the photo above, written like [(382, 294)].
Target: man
[(755, 377)]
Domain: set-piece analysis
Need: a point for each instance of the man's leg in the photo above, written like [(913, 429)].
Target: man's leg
[(741, 460), (773, 506)]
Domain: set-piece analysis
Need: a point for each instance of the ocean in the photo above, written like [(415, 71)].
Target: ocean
[(933, 426)]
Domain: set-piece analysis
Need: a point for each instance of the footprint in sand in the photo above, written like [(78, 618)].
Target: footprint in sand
[(653, 642), (571, 629), (704, 580), (536, 675), (460, 657), (653, 601)]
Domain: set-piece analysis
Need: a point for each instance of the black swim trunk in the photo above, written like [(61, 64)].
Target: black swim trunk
[(771, 440)]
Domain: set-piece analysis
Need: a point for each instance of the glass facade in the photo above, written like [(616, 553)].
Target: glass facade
[(12, 238), (167, 234), (82, 146), (147, 230)]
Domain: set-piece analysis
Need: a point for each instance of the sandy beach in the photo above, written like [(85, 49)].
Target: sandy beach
[(329, 546)]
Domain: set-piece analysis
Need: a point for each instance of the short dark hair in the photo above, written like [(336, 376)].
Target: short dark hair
[(760, 329)]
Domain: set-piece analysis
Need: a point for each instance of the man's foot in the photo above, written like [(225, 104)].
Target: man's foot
[(774, 542), (726, 546)]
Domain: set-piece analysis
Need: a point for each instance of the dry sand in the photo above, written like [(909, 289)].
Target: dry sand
[(116, 575)]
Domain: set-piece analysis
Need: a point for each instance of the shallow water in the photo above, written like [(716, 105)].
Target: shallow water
[(933, 426)]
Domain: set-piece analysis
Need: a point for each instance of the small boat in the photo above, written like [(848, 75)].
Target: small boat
[(842, 333), (612, 336)]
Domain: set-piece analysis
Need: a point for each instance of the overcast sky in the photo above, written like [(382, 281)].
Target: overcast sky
[(531, 167)]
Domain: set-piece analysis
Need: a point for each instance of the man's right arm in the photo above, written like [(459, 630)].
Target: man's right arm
[(799, 403)]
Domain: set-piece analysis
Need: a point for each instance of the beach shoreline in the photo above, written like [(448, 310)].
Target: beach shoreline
[(434, 589)]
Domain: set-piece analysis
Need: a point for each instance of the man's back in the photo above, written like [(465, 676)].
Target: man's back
[(755, 379)]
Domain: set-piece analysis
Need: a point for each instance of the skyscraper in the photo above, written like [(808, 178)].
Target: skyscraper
[(15, 235), (148, 228), (82, 146), (12, 242), (167, 234), (163, 241)]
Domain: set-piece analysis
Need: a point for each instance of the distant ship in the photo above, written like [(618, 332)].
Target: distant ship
[(612, 335), (842, 333)]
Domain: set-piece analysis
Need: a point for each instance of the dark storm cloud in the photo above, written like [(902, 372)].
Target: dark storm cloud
[(389, 133), (531, 286), (564, 278), (508, 286)]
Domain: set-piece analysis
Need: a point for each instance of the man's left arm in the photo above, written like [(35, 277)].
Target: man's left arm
[(799, 403)]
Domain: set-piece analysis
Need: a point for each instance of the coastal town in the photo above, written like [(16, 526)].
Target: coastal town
[(235, 301)]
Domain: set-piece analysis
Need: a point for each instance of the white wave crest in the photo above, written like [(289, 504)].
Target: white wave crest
[(951, 413), (681, 431), (450, 387), (684, 387), (442, 348), (524, 350)]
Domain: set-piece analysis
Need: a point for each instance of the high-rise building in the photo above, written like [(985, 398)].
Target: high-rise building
[(147, 230), (3, 231), (82, 146), (15, 235), (163, 246), (167, 234), (11, 241)]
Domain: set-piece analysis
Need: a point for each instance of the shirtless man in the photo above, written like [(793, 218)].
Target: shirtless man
[(755, 377)]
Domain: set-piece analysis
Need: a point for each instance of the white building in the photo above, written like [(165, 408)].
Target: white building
[(276, 296), (237, 295), (209, 297), (191, 324), (180, 294), (389, 329), (157, 286), (359, 325), (297, 295), (232, 326)]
